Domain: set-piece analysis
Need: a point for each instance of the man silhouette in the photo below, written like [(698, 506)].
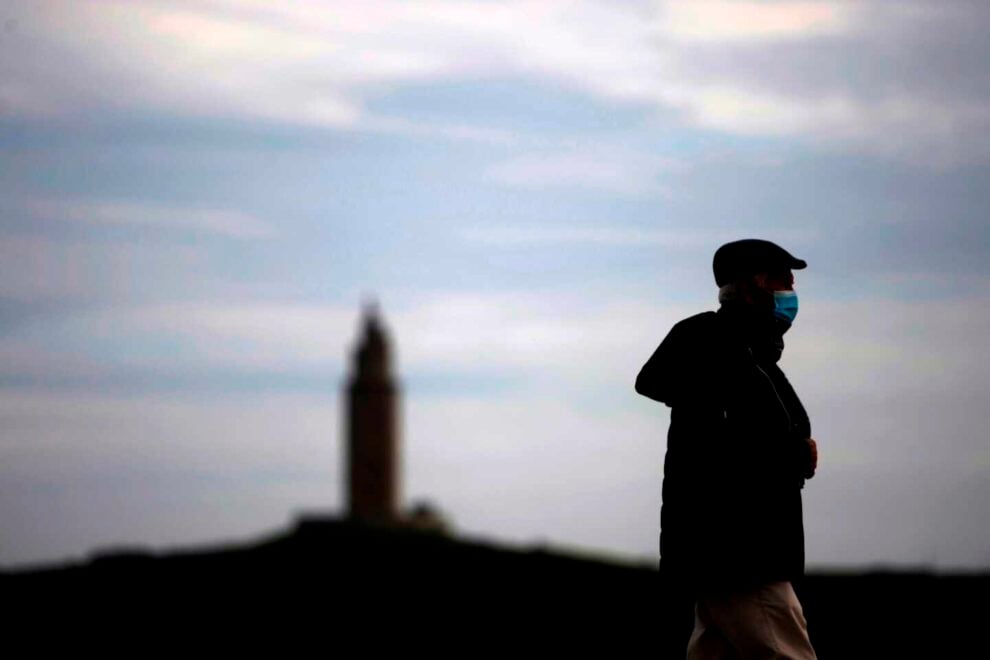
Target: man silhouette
[(738, 451)]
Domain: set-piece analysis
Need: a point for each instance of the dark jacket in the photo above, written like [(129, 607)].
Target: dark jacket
[(731, 513)]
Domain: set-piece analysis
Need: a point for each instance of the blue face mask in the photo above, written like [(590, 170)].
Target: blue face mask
[(785, 305)]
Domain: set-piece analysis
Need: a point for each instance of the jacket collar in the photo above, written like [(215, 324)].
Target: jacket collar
[(757, 329)]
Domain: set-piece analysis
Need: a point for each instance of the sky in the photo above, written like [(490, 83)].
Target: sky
[(197, 197)]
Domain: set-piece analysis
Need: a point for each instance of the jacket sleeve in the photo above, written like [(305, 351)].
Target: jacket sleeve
[(650, 381), (674, 373)]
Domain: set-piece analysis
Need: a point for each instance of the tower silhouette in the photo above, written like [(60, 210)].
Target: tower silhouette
[(372, 427)]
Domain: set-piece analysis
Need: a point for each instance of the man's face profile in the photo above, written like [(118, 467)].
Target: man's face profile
[(780, 280), (756, 288)]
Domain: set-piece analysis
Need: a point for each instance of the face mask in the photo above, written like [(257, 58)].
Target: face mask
[(785, 305)]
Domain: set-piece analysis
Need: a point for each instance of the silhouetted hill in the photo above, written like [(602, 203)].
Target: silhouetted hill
[(333, 580)]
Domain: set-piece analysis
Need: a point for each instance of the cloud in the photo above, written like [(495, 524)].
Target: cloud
[(527, 235), (450, 131), (883, 345), (508, 236), (729, 20), (506, 332), (893, 390), (22, 359), (202, 221), (271, 337), (896, 79), (535, 338), (305, 63), (34, 268), (629, 174), (101, 470), (843, 349), (879, 344), (917, 517), (556, 470)]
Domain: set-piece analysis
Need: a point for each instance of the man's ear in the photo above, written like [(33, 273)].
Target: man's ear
[(749, 287)]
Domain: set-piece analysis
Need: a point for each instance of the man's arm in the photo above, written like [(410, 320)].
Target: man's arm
[(648, 382), (657, 377), (676, 372)]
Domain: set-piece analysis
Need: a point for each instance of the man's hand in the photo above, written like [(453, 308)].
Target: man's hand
[(809, 469)]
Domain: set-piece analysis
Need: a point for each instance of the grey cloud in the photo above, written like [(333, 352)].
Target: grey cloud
[(901, 79), (907, 79), (35, 269), (870, 225), (223, 222), (892, 396), (918, 517), (939, 52), (157, 471)]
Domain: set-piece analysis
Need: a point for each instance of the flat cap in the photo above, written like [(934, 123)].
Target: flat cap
[(750, 256)]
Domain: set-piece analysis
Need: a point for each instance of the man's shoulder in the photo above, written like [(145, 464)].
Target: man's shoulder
[(694, 332), (702, 322), (706, 331)]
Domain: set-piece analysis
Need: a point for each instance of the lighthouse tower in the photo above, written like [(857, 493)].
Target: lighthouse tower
[(372, 427)]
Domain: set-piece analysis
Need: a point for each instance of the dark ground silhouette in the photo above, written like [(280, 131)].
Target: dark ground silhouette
[(347, 585)]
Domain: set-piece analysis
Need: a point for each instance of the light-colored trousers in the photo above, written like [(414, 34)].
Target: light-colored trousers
[(765, 622)]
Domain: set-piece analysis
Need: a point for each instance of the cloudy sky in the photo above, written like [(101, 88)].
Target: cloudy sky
[(195, 197)]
